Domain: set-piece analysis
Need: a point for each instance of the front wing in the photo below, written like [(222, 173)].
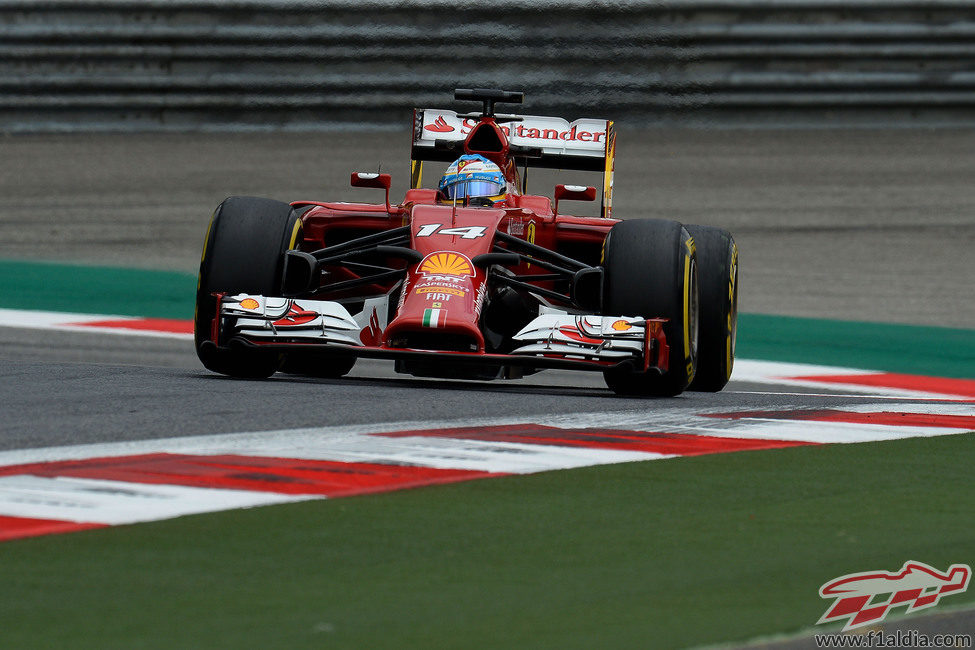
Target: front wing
[(551, 340)]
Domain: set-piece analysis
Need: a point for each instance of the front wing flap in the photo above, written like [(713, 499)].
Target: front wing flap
[(263, 319), (595, 338), (586, 342)]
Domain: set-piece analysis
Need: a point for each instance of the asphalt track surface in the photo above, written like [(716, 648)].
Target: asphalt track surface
[(862, 225), (51, 403)]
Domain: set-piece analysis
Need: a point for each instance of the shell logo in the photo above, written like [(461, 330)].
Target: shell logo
[(446, 264)]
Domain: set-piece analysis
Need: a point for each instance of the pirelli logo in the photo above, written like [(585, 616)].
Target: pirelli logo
[(448, 290)]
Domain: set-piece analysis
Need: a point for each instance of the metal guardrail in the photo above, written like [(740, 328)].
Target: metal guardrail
[(185, 64)]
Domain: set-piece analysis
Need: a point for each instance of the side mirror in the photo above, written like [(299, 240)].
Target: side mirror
[(378, 181), (573, 193)]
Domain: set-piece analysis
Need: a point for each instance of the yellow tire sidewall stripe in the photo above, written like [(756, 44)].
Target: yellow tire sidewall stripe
[(294, 234), (690, 249), (732, 309)]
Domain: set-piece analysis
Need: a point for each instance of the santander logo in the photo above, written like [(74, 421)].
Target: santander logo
[(585, 136), (439, 126)]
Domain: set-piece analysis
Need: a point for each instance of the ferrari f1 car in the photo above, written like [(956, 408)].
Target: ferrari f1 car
[(475, 278)]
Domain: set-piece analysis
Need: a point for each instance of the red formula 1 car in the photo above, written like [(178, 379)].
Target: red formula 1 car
[(473, 279)]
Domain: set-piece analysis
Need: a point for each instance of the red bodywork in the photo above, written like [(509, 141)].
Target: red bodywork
[(446, 286), (447, 258)]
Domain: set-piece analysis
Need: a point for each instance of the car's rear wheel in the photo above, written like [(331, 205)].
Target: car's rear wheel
[(717, 258), (650, 270), (243, 253)]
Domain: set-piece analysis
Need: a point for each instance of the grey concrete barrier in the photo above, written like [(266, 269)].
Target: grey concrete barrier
[(312, 64)]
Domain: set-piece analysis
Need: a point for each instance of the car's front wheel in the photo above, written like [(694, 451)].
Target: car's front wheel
[(243, 253), (650, 268)]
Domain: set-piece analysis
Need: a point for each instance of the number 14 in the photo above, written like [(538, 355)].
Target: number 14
[(468, 232)]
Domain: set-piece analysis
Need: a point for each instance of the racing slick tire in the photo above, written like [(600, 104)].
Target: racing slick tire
[(243, 253), (717, 260), (650, 268)]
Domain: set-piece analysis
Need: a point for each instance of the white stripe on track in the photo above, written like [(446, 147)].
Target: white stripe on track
[(441, 453), (932, 398), (69, 322), (757, 370), (825, 432), (814, 431), (793, 374), (347, 446), (115, 502), (924, 408)]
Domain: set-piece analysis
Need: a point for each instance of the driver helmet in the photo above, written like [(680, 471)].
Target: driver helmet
[(472, 176)]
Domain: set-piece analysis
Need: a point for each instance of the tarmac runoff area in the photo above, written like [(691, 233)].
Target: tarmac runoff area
[(875, 225)]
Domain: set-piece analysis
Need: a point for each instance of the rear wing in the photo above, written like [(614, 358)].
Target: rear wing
[(586, 144)]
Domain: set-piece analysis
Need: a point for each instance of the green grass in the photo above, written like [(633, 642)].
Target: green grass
[(660, 554)]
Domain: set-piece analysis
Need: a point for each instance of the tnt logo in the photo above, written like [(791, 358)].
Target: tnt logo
[(867, 597)]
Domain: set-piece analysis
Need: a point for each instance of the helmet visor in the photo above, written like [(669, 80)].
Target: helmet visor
[(473, 188)]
